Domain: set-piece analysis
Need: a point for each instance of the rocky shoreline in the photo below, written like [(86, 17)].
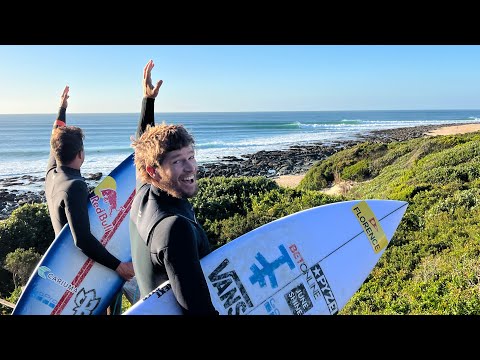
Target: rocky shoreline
[(292, 161)]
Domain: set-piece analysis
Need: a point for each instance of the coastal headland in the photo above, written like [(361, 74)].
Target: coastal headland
[(287, 167)]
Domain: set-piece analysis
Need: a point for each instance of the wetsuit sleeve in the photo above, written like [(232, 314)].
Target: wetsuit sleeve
[(182, 263), (147, 116), (76, 209), (61, 121)]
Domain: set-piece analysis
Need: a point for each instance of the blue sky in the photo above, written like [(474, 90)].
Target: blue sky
[(107, 78)]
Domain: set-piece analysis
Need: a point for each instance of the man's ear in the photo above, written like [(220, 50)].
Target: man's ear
[(151, 171)]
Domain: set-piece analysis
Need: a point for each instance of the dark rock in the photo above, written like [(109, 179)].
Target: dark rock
[(96, 176)]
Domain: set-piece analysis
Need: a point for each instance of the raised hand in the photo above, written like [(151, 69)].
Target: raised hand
[(64, 97), (148, 89)]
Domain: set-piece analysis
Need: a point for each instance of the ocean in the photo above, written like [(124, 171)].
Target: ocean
[(24, 138)]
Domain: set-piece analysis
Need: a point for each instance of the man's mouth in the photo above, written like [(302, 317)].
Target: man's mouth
[(188, 179)]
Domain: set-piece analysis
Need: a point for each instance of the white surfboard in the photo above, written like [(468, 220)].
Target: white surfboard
[(66, 281), (310, 262)]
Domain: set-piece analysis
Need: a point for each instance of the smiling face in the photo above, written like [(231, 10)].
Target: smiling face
[(177, 174)]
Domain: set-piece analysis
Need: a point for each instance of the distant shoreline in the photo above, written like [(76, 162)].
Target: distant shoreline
[(293, 180)]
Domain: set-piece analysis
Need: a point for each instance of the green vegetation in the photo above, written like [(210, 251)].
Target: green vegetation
[(431, 266), (21, 264)]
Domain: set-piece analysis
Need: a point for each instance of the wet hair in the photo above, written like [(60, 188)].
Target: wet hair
[(66, 143), (152, 146)]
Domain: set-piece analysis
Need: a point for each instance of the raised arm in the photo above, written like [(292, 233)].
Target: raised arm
[(60, 121), (150, 92)]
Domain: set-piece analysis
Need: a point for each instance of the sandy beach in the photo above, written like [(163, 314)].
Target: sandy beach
[(294, 180), (454, 130)]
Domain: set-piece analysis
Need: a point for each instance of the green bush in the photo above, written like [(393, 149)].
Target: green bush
[(223, 231), (6, 282), (285, 201), (13, 298), (28, 226), (357, 172), (221, 197), (467, 199), (21, 263), (354, 164)]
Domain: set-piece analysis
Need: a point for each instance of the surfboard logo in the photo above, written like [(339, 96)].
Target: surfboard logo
[(42, 271), (160, 291), (371, 226), (298, 300), (107, 192), (316, 281), (230, 289), (268, 268), (47, 274), (86, 302), (271, 307), (44, 298), (325, 288)]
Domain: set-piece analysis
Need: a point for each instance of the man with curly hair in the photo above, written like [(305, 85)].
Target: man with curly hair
[(167, 240)]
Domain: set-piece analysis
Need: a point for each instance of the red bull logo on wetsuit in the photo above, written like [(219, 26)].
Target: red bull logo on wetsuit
[(105, 193)]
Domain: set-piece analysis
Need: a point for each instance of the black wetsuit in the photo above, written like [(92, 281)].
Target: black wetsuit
[(167, 241), (67, 198)]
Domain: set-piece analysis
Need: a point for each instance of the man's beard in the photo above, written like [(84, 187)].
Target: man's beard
[(172, 189)]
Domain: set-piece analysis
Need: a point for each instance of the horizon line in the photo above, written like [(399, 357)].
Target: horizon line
[(256, 111)]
